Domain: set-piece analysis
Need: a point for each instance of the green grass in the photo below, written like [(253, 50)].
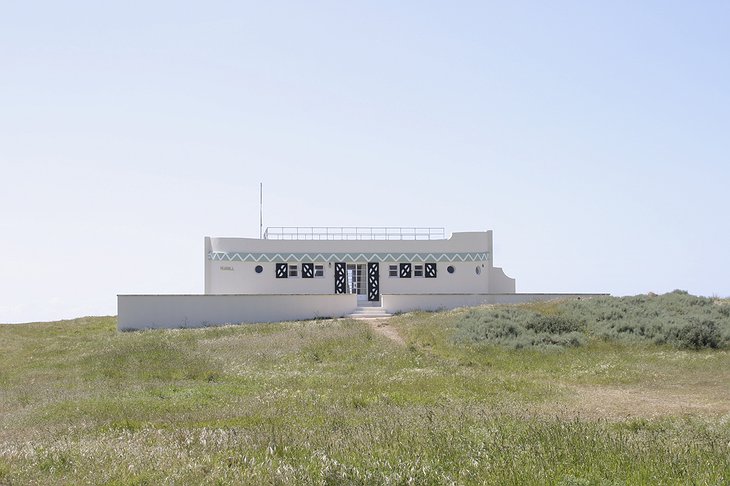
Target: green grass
[(335, 402)]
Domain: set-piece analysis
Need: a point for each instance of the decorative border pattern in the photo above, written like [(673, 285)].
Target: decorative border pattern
[(222, 256)]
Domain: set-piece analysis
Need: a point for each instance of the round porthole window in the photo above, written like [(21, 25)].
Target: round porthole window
[(479, 270), (259, 269), (450, 269)]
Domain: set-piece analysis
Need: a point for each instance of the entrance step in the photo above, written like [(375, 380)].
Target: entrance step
[(366, 303), (369, 313)]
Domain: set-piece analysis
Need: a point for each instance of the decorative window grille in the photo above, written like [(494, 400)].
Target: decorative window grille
[(430, 270), (340, 278), (373, 281), (282, 270), (405, 270)]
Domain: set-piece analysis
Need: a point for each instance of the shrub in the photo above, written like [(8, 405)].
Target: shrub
[(697, 336), (677, 318), (554, 324), (518, 327)]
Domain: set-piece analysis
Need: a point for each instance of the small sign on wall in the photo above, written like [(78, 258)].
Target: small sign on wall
[(227, 269)]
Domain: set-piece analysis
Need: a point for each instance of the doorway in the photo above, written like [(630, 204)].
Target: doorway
[(355, 282)]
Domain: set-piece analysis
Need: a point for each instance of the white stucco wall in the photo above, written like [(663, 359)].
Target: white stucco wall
[(137, 312), (464, 279), (407, 303), (175, 311), (499, 283), (239, 277)]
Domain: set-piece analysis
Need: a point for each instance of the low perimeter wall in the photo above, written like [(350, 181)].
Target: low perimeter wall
[(174, 311), (432, 302)]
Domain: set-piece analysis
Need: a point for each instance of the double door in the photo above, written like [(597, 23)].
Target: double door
[(358, 278)]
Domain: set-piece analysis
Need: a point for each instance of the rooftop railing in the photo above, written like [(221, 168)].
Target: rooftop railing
[(352, 233)]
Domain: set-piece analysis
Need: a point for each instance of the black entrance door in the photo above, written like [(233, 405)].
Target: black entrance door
[(373, 281)]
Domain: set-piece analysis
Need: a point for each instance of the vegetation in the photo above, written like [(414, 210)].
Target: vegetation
[(337, 402), (679, 319)]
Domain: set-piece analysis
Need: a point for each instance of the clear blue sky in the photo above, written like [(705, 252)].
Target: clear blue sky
[(592, 137)]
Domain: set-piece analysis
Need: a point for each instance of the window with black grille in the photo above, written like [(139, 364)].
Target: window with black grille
[(405, 270), (430, 270), (282, 270)]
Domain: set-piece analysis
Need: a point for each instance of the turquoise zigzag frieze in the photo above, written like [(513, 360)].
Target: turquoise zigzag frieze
[(223, 256)]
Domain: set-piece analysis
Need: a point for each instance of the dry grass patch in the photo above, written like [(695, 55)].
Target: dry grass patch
[(619, 402)]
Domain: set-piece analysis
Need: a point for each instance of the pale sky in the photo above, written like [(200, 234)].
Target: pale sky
[(592, 137)]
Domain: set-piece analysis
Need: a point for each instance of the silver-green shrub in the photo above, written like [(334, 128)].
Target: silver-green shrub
[(676, 318), (518, 327)]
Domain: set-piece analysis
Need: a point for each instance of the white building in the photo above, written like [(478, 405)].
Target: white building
[(368, 263), (304, 273)]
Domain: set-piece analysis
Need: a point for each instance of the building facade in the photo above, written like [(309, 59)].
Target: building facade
[(310, 263)]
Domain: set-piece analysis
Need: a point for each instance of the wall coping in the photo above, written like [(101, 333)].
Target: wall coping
[(335, 295)]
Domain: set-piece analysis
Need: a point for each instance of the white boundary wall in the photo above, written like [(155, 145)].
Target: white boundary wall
[(432, 302), (178, 311), (137, 312)]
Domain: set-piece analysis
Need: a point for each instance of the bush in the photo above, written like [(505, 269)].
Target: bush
[(677, 318), (518, 327), (554, 324), (697, 336)]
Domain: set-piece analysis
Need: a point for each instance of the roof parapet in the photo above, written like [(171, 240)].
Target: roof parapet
[(353, 233)]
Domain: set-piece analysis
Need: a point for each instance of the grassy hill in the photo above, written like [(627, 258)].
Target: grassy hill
[(605, 391)]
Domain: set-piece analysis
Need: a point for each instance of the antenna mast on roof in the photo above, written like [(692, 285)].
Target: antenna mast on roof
[(261, 210)]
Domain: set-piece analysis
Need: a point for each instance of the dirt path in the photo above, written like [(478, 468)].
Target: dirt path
[(380, 326)]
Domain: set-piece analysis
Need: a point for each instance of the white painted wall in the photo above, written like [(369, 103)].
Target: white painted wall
[(464, 279), (458, 242), (241, 278), (234, 277), (499, 283), (184, 311), (407, 303), (175, 311)]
